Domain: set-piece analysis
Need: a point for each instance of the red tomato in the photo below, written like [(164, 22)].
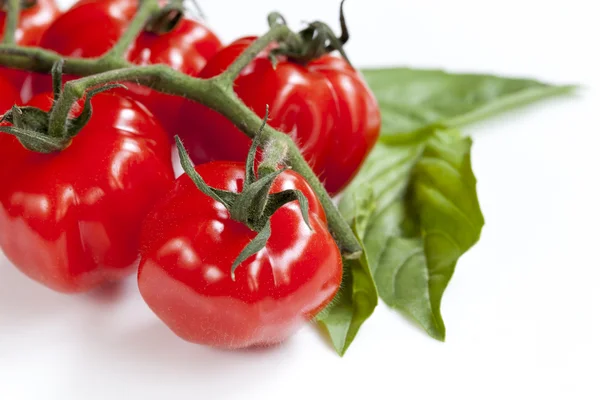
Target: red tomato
[(33, 21), (72, 220), (190, 242), (8, 98), (186, 48), (325, 106), (8, 94)]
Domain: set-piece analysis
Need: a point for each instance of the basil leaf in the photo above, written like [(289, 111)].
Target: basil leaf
[(419, 177), (413, 100), (436, 220), (357, 296), (385, 173)]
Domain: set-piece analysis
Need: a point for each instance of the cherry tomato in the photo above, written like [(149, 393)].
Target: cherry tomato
[(325, 106), (72, 219), (8, 94), (33, 22), (8, 98), (186, 48), (190, 242)]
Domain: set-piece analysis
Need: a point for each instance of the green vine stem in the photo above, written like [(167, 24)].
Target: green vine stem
[(216, 93), (12, 21), (276, 33), (275, 154), (146, 10)]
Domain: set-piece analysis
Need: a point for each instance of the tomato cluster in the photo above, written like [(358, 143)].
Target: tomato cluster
[(324, 105), (77, 218)]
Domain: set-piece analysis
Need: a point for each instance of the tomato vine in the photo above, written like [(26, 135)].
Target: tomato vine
[(216, 93)]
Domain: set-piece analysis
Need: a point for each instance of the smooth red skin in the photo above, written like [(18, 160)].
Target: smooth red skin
[(91, 28), (189, 244), (8, 94), (325, 106), (33, 22), (72, 220), (8, 98)]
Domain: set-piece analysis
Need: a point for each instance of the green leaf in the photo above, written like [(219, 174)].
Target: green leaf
[(427, 216), (413, 100), (357, 296), (423, 207)]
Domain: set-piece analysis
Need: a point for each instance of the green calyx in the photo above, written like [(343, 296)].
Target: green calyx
[(254, 206), (314, 41), (31, 125)]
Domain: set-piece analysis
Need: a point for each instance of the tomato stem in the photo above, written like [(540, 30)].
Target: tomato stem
[(345, 36), (274, 155), (12, 21), (275, 19), (276, 34), (146, 11), (57, 75)]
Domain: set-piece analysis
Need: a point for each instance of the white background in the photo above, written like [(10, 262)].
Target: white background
[(522, 310)]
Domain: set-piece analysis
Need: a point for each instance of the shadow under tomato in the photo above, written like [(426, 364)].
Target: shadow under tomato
[(148, 348), (108, 293), (24, 300), (21, 298), (112, 333), (155, 342)]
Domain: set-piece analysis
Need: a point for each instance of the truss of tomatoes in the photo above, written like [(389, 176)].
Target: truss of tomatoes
[(108, 203)]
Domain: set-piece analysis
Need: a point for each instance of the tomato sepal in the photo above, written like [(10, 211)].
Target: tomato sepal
[(312, 42), (31, 125), (254, 206)]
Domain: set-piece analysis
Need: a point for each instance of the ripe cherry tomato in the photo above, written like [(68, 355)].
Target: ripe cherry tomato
[(33, 22), (325, 106), (186, 48), (72, 219), (8, 98), (190, 242), (8, 94)]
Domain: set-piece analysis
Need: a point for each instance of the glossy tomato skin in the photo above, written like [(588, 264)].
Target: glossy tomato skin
[(33, 22), (189, 243), (186, 48), (325, 106), (71, 220), (8, 98)]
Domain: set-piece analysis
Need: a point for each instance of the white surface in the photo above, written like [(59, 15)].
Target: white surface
[(522, 310)]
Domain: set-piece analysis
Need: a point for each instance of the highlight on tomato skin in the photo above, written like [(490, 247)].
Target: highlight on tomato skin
[(324, 105), (189, 243), (186, 48), (71, 220)]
